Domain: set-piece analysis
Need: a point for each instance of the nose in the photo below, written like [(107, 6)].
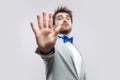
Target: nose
[(65, 20)]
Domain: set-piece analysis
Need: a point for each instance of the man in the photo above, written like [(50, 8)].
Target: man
[(55, 45)]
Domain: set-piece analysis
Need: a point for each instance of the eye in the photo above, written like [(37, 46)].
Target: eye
[(59, 18), (68, 18)]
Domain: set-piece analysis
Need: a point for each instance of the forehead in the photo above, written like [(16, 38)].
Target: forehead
[(62, 14)]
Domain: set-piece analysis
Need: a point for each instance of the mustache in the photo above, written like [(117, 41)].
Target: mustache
[(65, 23)]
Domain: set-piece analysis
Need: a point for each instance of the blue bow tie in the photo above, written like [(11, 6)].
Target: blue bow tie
[(66, 39)]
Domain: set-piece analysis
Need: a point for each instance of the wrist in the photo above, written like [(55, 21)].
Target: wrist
[(45, 52)]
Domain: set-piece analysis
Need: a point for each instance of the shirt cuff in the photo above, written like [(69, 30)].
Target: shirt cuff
[(45, 55)]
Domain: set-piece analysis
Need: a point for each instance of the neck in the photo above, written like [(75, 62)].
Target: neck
[(68, 34)]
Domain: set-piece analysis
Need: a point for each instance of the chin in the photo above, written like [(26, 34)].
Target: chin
[(66, 31)]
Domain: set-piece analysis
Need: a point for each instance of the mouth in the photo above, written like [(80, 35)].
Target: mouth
[(65, 24)]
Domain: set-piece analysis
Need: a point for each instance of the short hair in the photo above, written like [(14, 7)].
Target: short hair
[(60, 10)]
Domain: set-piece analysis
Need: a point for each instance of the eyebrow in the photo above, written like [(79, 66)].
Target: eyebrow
[(68, 15), (61, 16)]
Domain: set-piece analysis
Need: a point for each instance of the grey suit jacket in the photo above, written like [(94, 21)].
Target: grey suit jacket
[(60, 65)]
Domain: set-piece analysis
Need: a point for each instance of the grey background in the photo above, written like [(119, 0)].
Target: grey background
[(96, 30)]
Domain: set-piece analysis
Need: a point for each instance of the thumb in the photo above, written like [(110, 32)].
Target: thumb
[(57, 30)]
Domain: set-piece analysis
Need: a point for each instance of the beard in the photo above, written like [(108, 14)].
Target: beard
[(66, 28), (65, 31)]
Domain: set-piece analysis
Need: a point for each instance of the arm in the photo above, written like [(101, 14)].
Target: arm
[(45, 56)]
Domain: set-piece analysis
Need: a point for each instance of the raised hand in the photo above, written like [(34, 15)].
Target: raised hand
[(46, 35)]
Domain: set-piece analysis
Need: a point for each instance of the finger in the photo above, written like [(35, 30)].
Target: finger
[(33, 27), (57, 30), (50, 21), (39, 21), (44, 19)]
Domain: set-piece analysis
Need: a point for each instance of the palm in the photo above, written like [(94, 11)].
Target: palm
[(46, 37)]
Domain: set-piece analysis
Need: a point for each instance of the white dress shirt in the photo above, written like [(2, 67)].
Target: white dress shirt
[(76, 57)]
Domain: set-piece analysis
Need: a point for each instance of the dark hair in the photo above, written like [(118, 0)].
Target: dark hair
[(62, 9)]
